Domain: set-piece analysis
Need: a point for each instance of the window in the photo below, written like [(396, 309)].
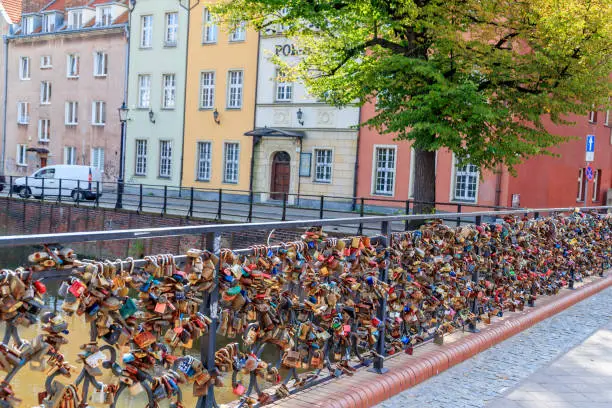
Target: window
[(234, 93), (70, 156), (207, 90), (593, 116), (144, 91), (44, 130), (45, 92), (23, 113), (209, 28), (72, 113), (72, 70), (141, 157), (608, 116), (22, 155), (596, 185), (581, 185), (466, 182), (104, 16), (97, 158), (24, 68), (412, 169), (204, 161), (48, 23), (171, 29), (239, 32), (284, 90), (323, 165), (75, 19), (28, 25), (230, 173), (98, 113), (169, 86), (45, 62), (384, 177), (165, 158), (100, 64), (146, 31)]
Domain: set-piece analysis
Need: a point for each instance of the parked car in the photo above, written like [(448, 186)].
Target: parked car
[(78, 182)]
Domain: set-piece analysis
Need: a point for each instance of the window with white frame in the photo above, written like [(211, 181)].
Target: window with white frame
[(97, 158), (146, 31), (44, 130), (141, 157), (45, 62), (238, 33), (72, 67), (593, 116), (169, 91), (412, 169), (596, 184), (48, 23), (207, 90), (75, 19), (466, 182), (171, 31), (204, 161), (70, 156), (231, 163), (28, 25), (323, 165), (608, 117), (581, 185), (98, 113), (104, 17), (284, 89), (100, 64), (22, 155), (144, 91), (209, 27), (71, 113), (384, 170), (24, 68), (234, 91), (45, 92), (165, 158), (23, 113)]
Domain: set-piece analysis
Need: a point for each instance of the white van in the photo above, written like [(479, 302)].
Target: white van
[(78, 182)]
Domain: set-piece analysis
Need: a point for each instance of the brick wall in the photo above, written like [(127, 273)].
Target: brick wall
[(19, 217)]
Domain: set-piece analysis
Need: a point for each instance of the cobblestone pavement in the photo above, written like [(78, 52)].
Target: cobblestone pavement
[(490, 378)]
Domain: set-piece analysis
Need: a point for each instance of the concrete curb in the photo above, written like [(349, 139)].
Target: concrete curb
[(367, 389)]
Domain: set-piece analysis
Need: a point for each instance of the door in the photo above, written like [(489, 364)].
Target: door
[(281, 175), (43, 161)]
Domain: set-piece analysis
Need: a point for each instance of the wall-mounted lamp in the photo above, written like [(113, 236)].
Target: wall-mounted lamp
[(132, 5), (151, 116), (216, 117), (300, 115)]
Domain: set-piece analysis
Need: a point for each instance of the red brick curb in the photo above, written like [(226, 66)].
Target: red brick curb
[(367, 389)]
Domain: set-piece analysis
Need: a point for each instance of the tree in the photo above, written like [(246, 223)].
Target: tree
[(473, 76)]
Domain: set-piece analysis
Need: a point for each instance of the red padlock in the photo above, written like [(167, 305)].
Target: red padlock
[(40, 287), (238, 389)]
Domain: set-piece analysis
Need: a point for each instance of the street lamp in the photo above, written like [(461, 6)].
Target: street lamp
[(123, 117)]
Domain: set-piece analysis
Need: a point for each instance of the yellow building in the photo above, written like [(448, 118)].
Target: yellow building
[(220, 103)]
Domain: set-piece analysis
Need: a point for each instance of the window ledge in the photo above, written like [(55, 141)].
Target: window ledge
[(72, 77), (101, 76), (230, 182), (322, 181), (143, 108), (202, 180), (98, 124), (463, 201), (164, 177), (383, 194), (236, 41), (150, 47), (71, 124), (206, 109), (167, 109), (233, 109), (209, 42), (140, 175), (170, 45)]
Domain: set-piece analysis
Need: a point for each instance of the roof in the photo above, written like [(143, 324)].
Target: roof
[(272, 132), (101, 2), (40, 150), (122, 19), (13, 9), (57, 5)]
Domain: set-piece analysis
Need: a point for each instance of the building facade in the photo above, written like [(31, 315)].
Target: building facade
[(66, 78), (156, 92), (303, 147), (220, 103)]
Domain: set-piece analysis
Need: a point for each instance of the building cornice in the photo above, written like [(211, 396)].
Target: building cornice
[(80, 32)]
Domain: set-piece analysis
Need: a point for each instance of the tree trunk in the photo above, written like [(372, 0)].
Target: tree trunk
[(424, 181)]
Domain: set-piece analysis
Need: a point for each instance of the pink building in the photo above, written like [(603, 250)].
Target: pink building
[(386, 167), (66, 81)]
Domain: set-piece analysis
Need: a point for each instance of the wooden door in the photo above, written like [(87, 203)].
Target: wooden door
[(281, 175)]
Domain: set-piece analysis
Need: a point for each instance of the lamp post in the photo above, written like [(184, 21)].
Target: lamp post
[(123, 117)]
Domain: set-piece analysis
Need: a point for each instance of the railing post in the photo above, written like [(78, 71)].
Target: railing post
[(26, 185), (190, 215), (59, 192), (220, 205), (383, 276), (11, 186), (478, 219), (361, 208), (250, 216), (42, 194), (321, 207), (407, 212), (139, 199), (459, 218), (536, 215), (97, 194), (78, 200), (164, 208), (284, 216), (472, 325)]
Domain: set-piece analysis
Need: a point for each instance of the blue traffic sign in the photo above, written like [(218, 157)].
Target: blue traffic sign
[(589, 173), (590, 143)]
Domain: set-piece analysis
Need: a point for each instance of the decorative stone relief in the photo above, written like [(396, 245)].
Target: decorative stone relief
[(281, 117), (326, 117)]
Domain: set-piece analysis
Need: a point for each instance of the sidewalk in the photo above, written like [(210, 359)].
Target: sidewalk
[(581, 378)]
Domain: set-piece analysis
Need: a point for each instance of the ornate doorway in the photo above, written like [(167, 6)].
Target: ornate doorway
[(281, 175)]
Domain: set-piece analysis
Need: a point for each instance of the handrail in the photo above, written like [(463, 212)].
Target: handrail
[(146, 233)]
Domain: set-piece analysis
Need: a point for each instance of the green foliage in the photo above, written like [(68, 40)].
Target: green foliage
[(474, 76)]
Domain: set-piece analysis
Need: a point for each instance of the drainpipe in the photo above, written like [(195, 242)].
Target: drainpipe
[(4, 104), (298, 172), (255, 138), (356, 175), (498, 183)]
